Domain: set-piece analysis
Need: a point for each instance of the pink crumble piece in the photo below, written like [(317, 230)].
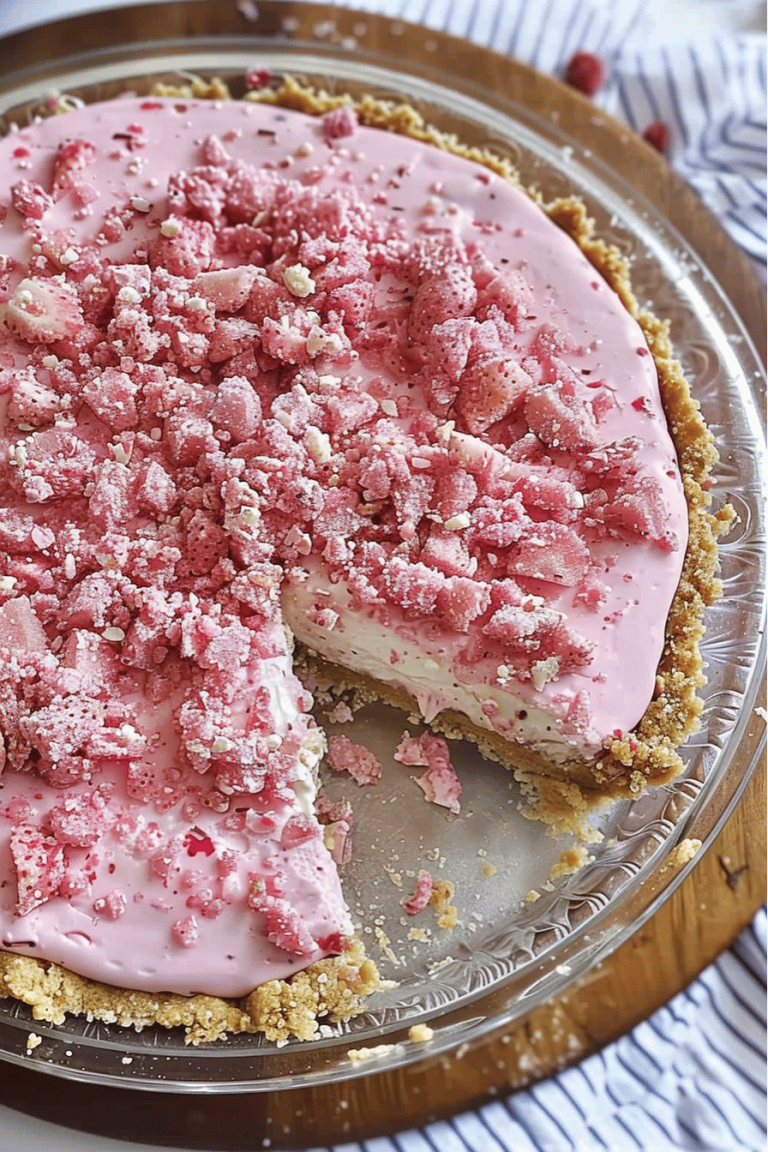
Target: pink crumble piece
[(257, 78), (421, 895), (284, 925), (70, 160), (440, 784), (39, 864), (339, 122), (113, 905), (185, 932), (341, 713), (344, 756)]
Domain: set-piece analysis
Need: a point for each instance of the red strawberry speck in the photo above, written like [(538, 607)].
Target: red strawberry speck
[(586, 72), (257, 78), (194, 845)]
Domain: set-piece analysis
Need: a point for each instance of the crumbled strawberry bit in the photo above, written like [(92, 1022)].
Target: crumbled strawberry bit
[(185, 932), (257, 78), (284, 926), (38, 861), (359, 762), (421, 895), (70, 160), (440, 784), (339, 122), (113, 905)]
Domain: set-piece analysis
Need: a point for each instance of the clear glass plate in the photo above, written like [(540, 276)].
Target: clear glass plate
[(506, 957)]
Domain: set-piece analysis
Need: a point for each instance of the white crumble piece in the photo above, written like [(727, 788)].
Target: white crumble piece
[(456, 523), (361, 1055), (170, 228), (298, 280), (114, 634), (420, 1033), (127, 1060), (33, 1041), (141, 204), (545, 670)]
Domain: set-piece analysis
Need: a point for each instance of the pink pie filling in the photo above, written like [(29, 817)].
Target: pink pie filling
[(260, 367)]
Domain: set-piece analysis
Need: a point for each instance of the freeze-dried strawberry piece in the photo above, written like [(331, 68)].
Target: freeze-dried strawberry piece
[(154, 489), (511, 294), (350, 411), (71, 158), (184, 248), (586, 72), (188, 436), (445, 551), (283, 924), (338, 517), (20, 627), (440, 784), (227, 289), (39, 865), (460, 601), (414, 587), (43, 311), (82, 818), (65, 726), (30, 200), (111, 395), (185, 932), (441, 296), (206, 543), (353, 302), (339, 122), (455, 493), (638, 509), (489, 390), (297, 830), (561, 419), (31, 402), (552, 552), (421, 895), (359, 762), (237, 409), (446, 353)]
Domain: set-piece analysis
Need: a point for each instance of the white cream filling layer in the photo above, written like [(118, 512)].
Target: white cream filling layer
[(367, 646)]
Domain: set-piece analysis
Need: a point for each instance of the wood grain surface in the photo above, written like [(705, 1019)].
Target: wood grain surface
[(691, 928)]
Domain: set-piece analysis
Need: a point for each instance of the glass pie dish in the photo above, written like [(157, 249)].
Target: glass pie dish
[(507, 955)]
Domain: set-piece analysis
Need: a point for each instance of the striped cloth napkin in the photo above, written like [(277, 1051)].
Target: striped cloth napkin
[(693, 1076)]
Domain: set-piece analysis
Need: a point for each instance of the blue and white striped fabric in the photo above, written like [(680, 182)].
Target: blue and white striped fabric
[(694, 1075)]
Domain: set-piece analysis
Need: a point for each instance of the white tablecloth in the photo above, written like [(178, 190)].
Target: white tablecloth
[(694, 1075)]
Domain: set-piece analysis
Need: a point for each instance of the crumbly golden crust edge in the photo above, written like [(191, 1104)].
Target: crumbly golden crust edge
[(336, 988)]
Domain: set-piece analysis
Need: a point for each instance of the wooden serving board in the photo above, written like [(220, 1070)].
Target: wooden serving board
[(704, 914)]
